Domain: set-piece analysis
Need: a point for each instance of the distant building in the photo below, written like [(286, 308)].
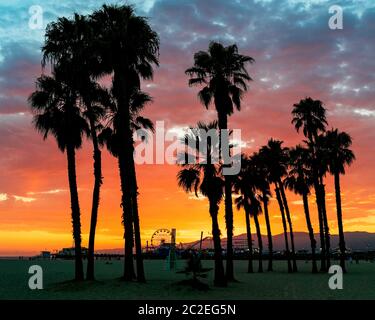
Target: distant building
[(45, 255), (70, 252)]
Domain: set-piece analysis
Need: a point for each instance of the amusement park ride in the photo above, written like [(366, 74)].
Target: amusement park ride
[(165, 239)]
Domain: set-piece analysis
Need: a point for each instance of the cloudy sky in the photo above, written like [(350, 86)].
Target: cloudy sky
[(296, 55)]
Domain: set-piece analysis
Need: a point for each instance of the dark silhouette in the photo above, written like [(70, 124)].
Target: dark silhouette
[(336, 145), (56, 113), (263, 185), (61, 48), (299, 180), (310, 115), (276, 158), (242, 185), (110, 136), (222, 73), (128, 48), (204, 178), (249, 184)]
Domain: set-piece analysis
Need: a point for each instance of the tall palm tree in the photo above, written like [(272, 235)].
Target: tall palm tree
[(248, 184), (263, 186), (339, 155), (222, 73), (68, 43), (204, 178), (275, 155), (56, 113), (128, 49), (299, 180), (243, 187), (310, 115), (110, 134)]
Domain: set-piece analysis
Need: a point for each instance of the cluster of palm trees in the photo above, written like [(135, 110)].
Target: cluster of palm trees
[(72, 102), (221, 72)]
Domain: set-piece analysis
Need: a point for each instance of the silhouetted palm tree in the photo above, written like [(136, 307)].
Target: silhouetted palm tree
[(56, 113), (263, 186), (310, 115), (128, 48), (276, 159), (204, 178), (110, 136), (299, 180), (252, 185), (339, 155), (243, 187), (68, 43), (222, 73)]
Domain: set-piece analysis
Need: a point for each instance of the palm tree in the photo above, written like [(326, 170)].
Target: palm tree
[(299, 180), (68, 44), (110, 135), (204, 178), (339, 155), (222, 73), (310, 115), (128, 48), (276, 159), (263, 186), (247, 184), (243, 187), (56, 113)]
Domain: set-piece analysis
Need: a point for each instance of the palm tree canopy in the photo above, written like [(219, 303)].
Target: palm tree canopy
[(310, 115), (203, 178), (299, 177), (56, 112), (109, 135), (246, 185), (337, 145), (275, 156), (222, 73), (69, 47), (125, 42)]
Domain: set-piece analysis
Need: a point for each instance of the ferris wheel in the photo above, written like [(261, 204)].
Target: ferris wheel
[(160, 237)]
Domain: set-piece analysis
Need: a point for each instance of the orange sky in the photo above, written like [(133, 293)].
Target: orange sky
[(296, 56)]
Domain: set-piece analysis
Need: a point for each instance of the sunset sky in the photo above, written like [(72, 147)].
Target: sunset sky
[(296, 55)]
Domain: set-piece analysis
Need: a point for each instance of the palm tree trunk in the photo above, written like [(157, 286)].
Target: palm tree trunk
[(76, 214), (269, 233), (260, 242), (250, 268), (326, 226), (223, 125), (125, 155), (127, 220), (95, 201), (339, 222), (323, 266), (137, 231), (315, 172), (288, 216), (279, 200), (219, 280), (311, 232)]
